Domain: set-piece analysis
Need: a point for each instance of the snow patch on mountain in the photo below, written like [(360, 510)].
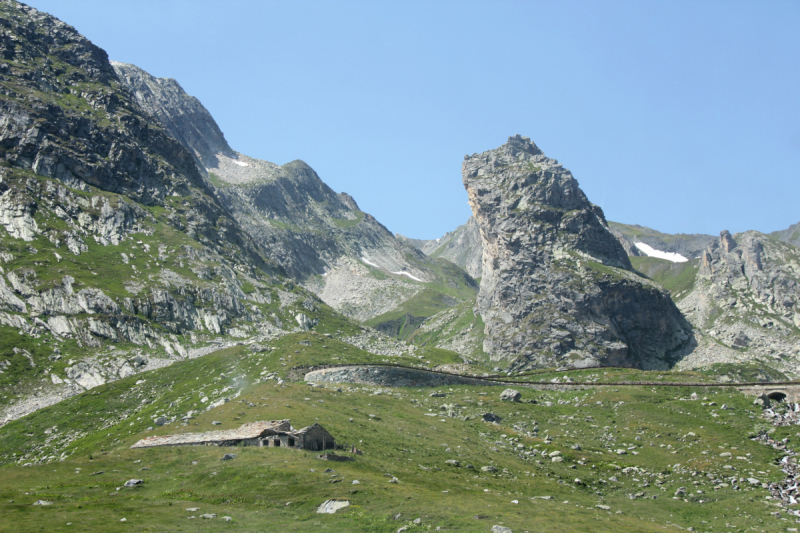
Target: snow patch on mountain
[(401, 273), (649, 251)]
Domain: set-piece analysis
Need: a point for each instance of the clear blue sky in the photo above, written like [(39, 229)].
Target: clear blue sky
[(682, 116)]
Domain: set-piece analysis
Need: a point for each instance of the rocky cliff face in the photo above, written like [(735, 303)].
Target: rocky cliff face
[(745, 298), (183, 116), (557, 286)]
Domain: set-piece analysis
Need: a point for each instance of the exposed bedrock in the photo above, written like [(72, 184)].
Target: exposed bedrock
[(557, 286)]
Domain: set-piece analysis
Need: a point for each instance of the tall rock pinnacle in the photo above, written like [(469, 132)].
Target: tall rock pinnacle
[(557, 286)]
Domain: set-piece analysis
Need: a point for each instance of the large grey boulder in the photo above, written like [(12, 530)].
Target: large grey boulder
[(510, 395), (331, 506)]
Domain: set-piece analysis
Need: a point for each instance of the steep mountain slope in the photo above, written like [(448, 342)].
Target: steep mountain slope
[(790, 235), (116, 255), (183, 116), (557, 287), (462, 246), (320, 238)]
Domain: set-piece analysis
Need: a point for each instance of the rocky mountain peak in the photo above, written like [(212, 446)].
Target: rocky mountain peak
[(726, 241), (557, 286), (182, 115), (517, 186)]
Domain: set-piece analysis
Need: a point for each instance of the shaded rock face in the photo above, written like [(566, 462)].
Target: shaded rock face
[(65, 115), (48, 65), (557, 286), (184, 117)]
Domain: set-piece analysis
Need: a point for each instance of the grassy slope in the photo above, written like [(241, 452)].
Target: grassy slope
[(400, 440), (451, 287), (677, 278), (465, 320)]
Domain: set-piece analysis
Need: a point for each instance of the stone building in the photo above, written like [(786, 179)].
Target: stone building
[(271, 433)]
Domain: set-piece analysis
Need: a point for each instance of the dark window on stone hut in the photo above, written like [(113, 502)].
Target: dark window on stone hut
[(291, 441), (277, 442)]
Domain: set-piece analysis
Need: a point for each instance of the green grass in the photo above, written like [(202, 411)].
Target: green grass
[(216, 180), (677, 278), (465, 320), (345, 223), (450, 287), (279, 489)]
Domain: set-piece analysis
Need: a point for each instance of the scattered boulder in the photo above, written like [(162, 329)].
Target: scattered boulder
[(208, 516), (161, 420), (134, 482), (488, 469), (501, 529), (331, 506), (510, 395), (491, 417), (305, 323), (763, 401), (452, 462), (228, 457), (42, 502)]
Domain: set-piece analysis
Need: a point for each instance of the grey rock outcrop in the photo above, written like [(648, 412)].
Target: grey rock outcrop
[(557, 286), (745, 297), (510, 395)]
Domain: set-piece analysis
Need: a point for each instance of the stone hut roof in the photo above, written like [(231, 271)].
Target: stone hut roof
[(316, 427), (251, 430)]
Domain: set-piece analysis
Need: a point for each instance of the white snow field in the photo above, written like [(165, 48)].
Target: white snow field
[(649, 251)]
